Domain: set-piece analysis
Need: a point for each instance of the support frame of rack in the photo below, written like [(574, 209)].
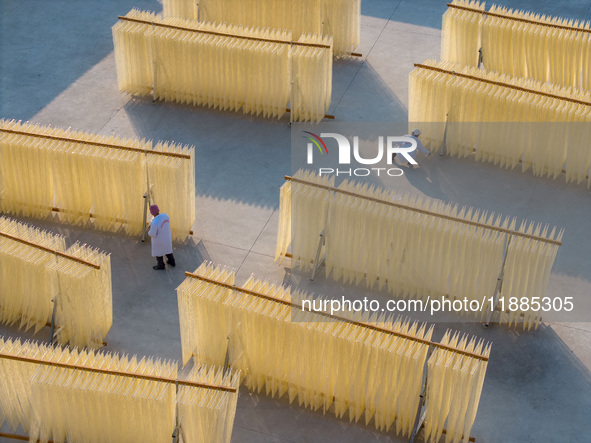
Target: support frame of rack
[(499, 286), (319, 262)]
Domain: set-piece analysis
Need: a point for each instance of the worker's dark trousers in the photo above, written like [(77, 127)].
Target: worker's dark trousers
[(169, 260)]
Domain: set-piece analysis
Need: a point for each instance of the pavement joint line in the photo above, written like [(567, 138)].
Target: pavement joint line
[(334, 111), (569, 327), (255, 242), (265, 433), (113, 115), (262, 253), (411, 32), (248, 251), (223, 244), (82, 82)]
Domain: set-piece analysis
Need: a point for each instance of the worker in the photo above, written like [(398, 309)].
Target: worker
[(420, 148), (161, 238)]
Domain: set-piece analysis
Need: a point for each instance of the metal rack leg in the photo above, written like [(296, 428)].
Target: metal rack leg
[(499, 285), (318, 262), (52, 327), (421, 410)]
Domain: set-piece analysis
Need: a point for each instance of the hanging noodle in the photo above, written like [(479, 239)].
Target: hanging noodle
[(502, 123), (125, 409), (350, 364), (454, 388), (84, 300), (33, 280), (91, 182), (27, 300), (311, 204), (311, 79), (226, 67), (461, 33), (422, 248), (185, 9), (108, 397), (208, 415)]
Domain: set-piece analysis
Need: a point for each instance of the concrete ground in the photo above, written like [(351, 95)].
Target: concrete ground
[(57, 67)]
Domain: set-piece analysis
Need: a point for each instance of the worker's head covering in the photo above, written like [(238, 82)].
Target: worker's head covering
[(416, 132), (154, 210)]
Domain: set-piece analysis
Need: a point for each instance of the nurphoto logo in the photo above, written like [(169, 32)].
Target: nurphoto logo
[(389, 146)]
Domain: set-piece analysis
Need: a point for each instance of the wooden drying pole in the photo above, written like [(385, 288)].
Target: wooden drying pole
[(426, 212), (504, 85), (52, 251), (518, 19), (224, 34), (117, 373), (18, 437), (337, 317), (104, 145)]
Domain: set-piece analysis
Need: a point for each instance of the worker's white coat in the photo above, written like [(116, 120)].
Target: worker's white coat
[(161, 237), (420, 147)]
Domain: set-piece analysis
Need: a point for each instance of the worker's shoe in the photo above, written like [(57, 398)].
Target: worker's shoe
[(170, 260), (158, 268)]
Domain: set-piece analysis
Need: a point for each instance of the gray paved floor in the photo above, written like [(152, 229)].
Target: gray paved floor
[(57, 67)]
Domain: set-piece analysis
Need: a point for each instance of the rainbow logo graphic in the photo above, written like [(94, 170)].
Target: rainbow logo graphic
[(315, 140)]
